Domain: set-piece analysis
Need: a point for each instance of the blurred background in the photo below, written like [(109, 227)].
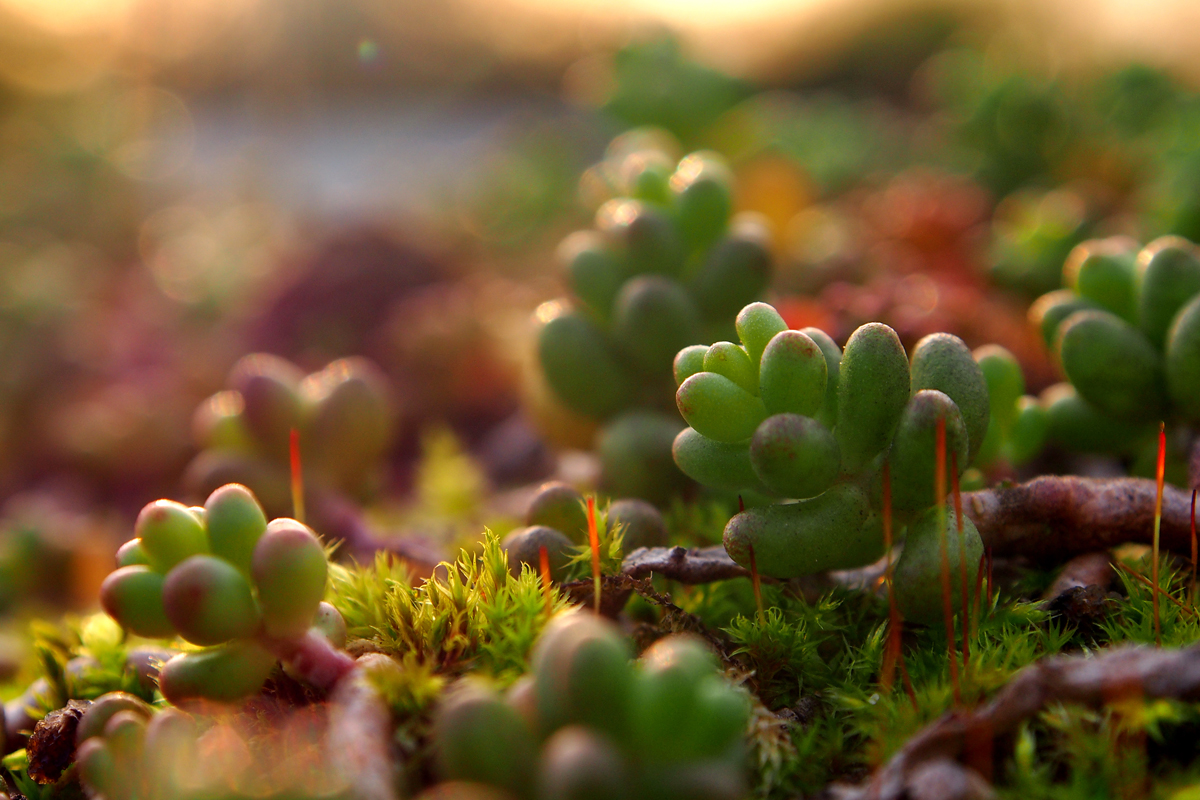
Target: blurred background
[(183, 183)]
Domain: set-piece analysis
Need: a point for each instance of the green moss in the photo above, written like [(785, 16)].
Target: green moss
[(471, 616)]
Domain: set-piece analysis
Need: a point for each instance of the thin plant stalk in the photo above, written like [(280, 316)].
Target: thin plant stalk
[(947, 601), (1193, 547), (1154, 588), (756, 583), (1158, 477), (894, 654), (297, 476), (594, 541), (962, 565), (979, 588), (891, 654), (544, 564), (991, 562)]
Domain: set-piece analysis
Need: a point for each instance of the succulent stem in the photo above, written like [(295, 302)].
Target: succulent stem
[(314, 660)]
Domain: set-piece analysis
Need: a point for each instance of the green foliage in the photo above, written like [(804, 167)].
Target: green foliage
[(473, 615)]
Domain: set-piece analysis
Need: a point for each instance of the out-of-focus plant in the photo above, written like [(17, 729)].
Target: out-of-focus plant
[(342, 419), (666, 264), (589, 722), (1126, 332)]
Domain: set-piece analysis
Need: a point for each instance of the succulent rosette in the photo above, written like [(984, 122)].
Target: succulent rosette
[(342, 416), (666, 263), (222, 577), (789, 414)]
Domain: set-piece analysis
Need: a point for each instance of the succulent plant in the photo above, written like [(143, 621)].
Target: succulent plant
[(788, 414), (589, 723), (557, 520), (342, 415), (664, 265), (1126, 332), (245, 590)]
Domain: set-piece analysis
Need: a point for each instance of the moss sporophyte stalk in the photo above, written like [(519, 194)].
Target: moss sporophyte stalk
[(557, 523)]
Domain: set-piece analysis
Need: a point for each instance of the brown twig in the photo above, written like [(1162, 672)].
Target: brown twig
[(1054, 518), (1048, 520), (1091, 680), (695, 565), (1089, 569), (360, 727)]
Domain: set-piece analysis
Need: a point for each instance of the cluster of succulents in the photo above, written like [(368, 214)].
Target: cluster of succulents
[(342, 415), (787, 414), (1126, 332), (665, 265), (125, 750), (221, 577), (589, 723), (557, 519)]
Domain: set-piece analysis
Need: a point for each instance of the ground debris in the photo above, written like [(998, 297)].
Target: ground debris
[(1054, 518), (51, 747), (1117, 674), (614, 593), (1089, 569), (1048, 521), (694, 565)]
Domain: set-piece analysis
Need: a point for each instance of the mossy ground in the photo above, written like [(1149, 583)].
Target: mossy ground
[(814, 667)]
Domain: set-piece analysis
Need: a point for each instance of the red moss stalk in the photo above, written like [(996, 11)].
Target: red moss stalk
[(594, 541), (1193, 547), (947, 601), (756, 583), (1158, 502), (544, 564), (962, 565), (893, 655)]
